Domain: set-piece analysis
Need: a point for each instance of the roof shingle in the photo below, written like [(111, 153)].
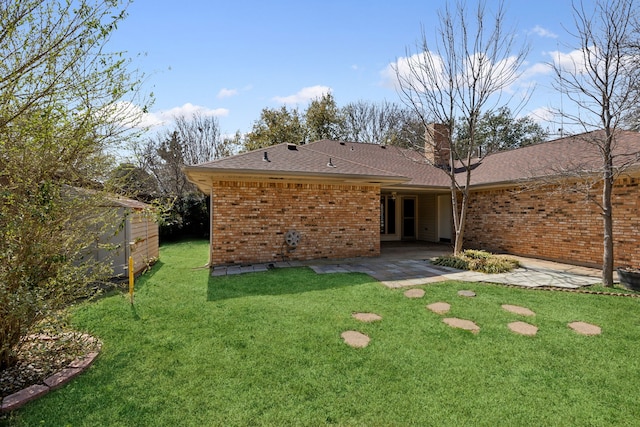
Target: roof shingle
[(408, 168)]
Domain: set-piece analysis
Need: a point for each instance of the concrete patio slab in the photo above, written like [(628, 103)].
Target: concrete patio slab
[(407, 264)]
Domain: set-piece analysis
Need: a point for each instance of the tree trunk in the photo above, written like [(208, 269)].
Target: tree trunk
[(10, 334), (607, 217), (457, 241)]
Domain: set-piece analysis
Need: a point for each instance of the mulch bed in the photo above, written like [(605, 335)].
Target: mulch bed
[(41, 356)]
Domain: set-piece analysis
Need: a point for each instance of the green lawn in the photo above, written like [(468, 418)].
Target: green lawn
[(265, 349)]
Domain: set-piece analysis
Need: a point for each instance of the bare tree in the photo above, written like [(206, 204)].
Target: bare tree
[(192, 140), (462, 72), (200, 136), (382, 123), (602, 79)]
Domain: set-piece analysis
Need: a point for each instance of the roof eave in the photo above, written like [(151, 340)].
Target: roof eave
[(204, 177)]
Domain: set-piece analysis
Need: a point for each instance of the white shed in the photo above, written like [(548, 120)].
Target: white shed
[(134, 234)]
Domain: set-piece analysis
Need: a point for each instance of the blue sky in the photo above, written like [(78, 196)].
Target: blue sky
[(231, 59)]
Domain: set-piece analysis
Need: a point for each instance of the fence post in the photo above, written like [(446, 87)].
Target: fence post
[(131, 279)]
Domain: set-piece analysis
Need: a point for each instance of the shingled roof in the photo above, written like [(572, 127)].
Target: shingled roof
[(577, 153), (404, 168), (325, 160)]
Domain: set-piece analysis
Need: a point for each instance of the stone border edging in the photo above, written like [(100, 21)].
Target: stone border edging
[(555, 288), (55, 381)]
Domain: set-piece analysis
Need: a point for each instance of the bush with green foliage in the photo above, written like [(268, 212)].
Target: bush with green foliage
[(184, 217), (481, 261), (63, 107)]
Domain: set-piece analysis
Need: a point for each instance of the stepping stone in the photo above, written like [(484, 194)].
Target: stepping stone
[(585, 328), (414, 293), (439, 307), (523, 328), (355, 339), (516, 309), (467, 325), (468, 294), (366, 317)]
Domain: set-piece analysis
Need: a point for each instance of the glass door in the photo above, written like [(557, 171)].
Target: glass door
[(387, 215), (409, 218)]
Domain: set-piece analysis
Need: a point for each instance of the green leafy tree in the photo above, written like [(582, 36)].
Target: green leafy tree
[(498, 131), (276, 126), (62, 106), (323, 119)]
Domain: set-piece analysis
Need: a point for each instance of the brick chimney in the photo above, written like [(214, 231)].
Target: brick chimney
[(437, 145)]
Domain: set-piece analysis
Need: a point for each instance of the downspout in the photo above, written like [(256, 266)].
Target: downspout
[(211, 226)]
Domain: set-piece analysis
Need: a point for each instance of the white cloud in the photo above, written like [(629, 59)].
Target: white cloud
[(427, 71), (405, 68), (227, 93), (130, 115), (304, 95), (537, 69), (572, 62), (543, 32), (542, 115), (189, 109), (133, 116)]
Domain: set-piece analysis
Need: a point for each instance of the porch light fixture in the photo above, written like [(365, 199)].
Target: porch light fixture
[(393, 195)]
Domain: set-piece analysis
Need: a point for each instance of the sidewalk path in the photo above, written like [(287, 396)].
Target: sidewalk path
[(533, 273), (412, 272)]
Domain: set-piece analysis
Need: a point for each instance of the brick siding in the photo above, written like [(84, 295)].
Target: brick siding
[(250, 220), (545, 223)]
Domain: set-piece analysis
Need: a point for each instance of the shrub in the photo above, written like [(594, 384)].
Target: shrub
[(481, 261), (452, 261)]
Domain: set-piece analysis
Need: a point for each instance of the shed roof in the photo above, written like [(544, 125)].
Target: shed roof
[(128, 203)]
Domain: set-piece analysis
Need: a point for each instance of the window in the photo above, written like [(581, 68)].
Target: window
[(387, 215)]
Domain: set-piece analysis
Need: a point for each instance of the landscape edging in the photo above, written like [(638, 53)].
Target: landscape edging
[(53, 382)]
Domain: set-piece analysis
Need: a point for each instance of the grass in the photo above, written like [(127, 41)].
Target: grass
[(265, 349), (616, 288)]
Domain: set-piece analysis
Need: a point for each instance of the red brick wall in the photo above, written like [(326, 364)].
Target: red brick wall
[(544, 223), (250, 220)]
